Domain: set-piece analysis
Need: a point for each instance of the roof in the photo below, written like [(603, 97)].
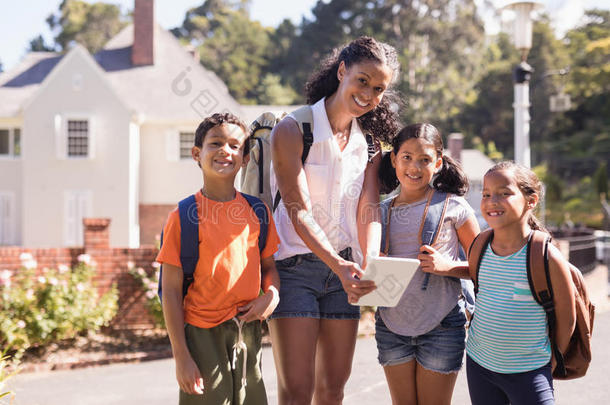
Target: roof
[(20, 83), (175, 88), (475, 163)]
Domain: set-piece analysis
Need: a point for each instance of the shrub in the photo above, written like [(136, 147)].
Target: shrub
[(40, 307), (149, 284)]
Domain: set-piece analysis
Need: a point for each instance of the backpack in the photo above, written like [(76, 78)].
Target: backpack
[(255, 176), (189, 236), (575, 361), (434, 215)]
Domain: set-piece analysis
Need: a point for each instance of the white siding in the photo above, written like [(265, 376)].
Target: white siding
[(48, 174), (7, 218)]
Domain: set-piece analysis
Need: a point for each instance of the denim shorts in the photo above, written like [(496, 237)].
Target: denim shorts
[(310, 289), (440, 350)]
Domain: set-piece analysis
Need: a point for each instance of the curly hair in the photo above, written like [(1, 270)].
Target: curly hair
[(215, 120), (450, 179), (382, 121)]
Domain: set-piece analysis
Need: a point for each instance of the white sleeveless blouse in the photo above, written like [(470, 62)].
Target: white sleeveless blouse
[(334, 180)]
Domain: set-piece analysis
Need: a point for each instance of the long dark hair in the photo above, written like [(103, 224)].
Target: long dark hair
[(451, 177), (382, 121), (528, 183)]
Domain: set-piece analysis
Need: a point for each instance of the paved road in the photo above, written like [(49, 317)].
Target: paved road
[(152, 383)]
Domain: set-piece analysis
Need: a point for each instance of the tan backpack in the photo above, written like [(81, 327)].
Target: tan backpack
[(577, 357)]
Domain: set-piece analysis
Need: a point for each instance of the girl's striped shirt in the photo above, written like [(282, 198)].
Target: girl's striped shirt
[(508, 333)]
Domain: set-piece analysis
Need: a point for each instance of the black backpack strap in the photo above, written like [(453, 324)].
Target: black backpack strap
[(475, 255), (370, 147), (307, 132), (260, 209)]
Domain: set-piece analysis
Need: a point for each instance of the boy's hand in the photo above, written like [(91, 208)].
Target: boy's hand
[(188, 376), (261, 307), (432, 261)]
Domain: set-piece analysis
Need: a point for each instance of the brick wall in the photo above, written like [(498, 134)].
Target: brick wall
[(111, 266), (152, 218)]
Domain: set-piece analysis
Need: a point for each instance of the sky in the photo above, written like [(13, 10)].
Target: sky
[(23, 20)]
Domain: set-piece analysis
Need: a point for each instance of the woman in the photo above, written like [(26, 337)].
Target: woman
[(328, 218)]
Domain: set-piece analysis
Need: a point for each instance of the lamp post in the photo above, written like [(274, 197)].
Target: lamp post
[(522, 74)]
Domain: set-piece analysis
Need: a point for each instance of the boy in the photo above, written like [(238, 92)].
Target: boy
[(215, 332)]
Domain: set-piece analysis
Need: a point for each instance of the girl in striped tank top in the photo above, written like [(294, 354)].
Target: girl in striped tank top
[(508, 349)]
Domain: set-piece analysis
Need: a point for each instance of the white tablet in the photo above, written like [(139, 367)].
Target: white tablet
[(392, 275)]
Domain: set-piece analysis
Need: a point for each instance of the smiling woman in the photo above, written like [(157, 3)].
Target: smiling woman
[(328, 218)]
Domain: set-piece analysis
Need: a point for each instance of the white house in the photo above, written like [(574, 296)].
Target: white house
[(105, 135)]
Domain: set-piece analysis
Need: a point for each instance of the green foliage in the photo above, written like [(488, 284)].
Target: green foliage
[(271, 91), (149, 284), (90, 24), (8, 368), (230, 44), (38, 44), (51, 305)]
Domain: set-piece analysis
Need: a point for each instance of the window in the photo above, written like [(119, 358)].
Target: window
[(187, 140), (78, 138), (10, 142)]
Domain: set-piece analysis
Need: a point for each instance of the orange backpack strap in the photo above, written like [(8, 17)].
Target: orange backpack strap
[(539, 277), (475, 254), (538, 273)]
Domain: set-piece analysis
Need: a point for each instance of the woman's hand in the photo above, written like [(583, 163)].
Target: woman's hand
[(350, 275), (432, 261)]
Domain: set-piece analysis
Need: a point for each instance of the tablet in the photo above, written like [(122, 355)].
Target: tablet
[(392, 275)]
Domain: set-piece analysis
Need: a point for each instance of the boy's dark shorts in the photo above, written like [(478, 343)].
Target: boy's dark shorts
[(212, 351)]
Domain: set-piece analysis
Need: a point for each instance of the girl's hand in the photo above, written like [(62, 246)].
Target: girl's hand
[(432, 261), (350, 275), (261, 307), (188, 375)]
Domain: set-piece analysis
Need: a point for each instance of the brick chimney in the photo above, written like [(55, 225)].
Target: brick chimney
[(97, 234), (455, 143), (142, 53)]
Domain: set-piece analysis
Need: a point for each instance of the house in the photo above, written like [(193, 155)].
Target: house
[(475, 164), (105, 136)]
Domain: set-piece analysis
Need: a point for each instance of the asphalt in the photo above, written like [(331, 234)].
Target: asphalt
[(153, 383)]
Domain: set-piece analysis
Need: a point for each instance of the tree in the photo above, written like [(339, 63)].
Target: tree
[(38, 44), (91, 25), (230, 44)]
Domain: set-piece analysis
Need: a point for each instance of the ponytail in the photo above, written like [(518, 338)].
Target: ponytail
[(451, 178), (387, 174), (536, 224)]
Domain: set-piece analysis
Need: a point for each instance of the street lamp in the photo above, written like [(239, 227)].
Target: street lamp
[(523, 41)]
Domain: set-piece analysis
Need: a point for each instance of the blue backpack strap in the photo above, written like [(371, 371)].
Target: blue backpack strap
[(260, 209), (189, 239), (189, 243), (384, 208), (432, 223)]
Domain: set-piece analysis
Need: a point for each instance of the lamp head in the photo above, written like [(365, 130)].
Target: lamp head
[(522, 33)]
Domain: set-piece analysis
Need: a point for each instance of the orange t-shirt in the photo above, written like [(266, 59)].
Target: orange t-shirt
[(228, 273)]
